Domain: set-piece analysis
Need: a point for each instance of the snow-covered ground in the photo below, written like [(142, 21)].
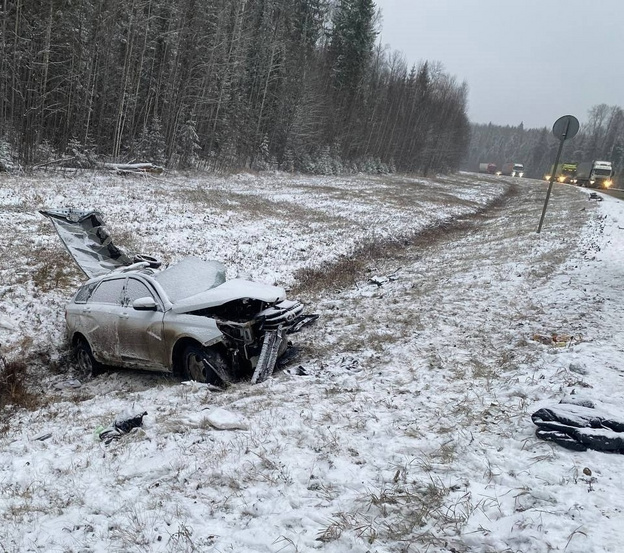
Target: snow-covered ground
[(404, 425)]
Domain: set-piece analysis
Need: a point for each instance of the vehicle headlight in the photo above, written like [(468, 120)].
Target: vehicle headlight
[(608, 183), (547, 177), (561, 178), (521, 174)]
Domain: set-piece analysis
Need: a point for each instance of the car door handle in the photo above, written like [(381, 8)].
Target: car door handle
[(124, 316), (86, 310)]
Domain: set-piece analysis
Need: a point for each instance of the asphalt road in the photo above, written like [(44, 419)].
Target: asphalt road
[(616, 193)]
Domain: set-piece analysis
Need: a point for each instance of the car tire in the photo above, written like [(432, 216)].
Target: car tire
[(207, 366), (86, 363)]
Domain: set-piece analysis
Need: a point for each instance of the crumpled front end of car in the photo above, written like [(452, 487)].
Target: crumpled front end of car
[(246, 323)]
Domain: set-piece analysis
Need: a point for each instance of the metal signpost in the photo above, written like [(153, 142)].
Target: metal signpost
[(564, 128)]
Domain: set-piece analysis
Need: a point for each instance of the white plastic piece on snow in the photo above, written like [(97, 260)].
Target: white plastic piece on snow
[(66, 384), (195, 384), (222, 419), (6, 323)]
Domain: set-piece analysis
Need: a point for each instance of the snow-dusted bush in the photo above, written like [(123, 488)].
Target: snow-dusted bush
[(13, 388), (44, 153), (264, 161), (150, 146), (83, 155), (7, 162), (187, 143), (324, 165), (288, 163), (305, 164)]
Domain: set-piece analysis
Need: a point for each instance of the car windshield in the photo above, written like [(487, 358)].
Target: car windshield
[(189, 277), (602, 172), (518, 167)]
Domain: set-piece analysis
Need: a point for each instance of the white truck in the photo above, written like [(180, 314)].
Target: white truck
[(594, 174), (513, 169)]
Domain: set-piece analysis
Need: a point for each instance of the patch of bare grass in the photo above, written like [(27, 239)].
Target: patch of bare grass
[(412, 512), (13, 387), (52, 270), (259, 207), (349, 269)]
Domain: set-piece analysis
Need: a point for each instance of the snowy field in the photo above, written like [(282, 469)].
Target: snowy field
[(404, 426)]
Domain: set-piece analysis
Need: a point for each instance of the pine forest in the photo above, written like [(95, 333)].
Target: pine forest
[(286, 84)]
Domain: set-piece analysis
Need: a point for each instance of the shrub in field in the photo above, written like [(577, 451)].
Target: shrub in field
[(8, 162), (13, 389)]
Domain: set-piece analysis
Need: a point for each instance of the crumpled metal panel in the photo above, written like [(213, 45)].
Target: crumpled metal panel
[(87, 240), (231, 290)]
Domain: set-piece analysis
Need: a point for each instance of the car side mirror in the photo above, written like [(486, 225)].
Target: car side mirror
[(145, 304)]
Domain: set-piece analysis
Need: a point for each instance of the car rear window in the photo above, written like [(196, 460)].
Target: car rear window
[(85, 292)]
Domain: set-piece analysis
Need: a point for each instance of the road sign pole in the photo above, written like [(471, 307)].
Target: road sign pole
[(550, 185), (565, 127)]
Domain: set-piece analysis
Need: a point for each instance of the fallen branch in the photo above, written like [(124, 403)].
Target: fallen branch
[(128, 168)]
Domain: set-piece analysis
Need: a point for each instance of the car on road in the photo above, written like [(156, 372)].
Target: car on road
[(185, 319)]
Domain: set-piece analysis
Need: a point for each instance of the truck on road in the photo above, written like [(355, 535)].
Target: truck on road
[(513, 169), (594, 174), (489, 168), (565, 172)]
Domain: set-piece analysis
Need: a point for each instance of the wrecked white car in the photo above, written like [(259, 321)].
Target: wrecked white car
[(186, 319)]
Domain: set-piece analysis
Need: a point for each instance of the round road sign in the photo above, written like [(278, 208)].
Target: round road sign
[(566, 127)]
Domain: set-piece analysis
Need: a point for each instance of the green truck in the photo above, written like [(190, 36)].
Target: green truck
[(565, 172)]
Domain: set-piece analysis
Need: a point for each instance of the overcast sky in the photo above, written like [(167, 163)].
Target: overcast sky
[(527, 61)]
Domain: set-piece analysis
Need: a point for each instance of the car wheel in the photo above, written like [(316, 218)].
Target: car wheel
[(87, 365), (205, 365)]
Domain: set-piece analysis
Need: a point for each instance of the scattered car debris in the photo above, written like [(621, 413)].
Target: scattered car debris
[(65, 384), (195, 384), (122, 424), (578, 368), (304, 320), (381, 280), (42, 437), (184, 319), (298, 371), (580, 427), (595, 196)]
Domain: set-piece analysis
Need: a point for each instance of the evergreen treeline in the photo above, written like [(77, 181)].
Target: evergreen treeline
[(600, 138), (294, 84)]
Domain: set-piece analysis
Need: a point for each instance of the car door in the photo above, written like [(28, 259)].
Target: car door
[(140, 332), (99, 318)]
